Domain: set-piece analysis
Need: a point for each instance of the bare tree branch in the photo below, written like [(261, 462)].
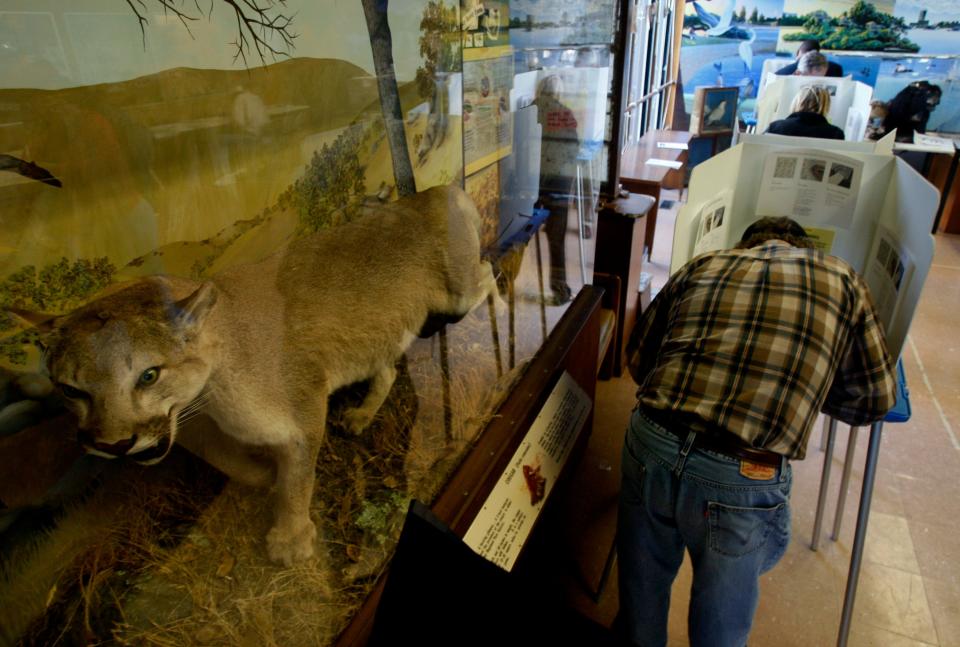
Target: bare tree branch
[(141, 19), (253, 29), (258, 23)]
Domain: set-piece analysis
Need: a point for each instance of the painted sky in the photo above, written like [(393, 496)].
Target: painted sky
[(768, 8), (83, 47), (832, 7), (937, 10)]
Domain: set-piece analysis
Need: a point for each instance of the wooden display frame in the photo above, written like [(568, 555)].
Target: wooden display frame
[(707, 101)]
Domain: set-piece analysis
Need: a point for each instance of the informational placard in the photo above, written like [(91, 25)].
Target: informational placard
[(813, 186), (485, 24), (889, 267), (507, 517), (674, 164), (487, 120), (714, 222)]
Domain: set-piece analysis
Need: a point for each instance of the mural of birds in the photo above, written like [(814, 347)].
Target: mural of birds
[(745, 50), (717, 25), (718, 66), (28, 169)]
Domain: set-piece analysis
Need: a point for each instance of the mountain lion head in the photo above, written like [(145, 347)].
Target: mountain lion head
[(128, 366)]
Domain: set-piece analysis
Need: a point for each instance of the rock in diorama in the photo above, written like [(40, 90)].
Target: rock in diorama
[(260, 347)]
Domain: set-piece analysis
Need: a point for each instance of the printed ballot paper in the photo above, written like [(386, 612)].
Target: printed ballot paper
[(819, 187)]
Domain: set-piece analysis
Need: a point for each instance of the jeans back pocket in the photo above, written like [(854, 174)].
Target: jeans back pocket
[(737, 531)]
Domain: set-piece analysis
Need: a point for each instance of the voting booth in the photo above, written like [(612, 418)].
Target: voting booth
[(769, 69), (857, 200), (849, 101)]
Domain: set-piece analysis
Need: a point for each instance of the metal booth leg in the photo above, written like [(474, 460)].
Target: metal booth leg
[(844, 482), (824, 483), (856, 556), (823, 434), (581, 226)]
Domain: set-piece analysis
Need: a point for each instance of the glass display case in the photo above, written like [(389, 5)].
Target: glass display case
[(269, 270)]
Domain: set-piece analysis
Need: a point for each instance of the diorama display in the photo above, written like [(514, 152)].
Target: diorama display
[(268, 272)]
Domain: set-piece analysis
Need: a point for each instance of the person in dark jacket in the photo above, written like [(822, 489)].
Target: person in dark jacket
[(810, 45), (909, 111), (813, 64), (808, 116)]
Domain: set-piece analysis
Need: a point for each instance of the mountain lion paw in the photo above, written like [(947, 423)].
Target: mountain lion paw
[(288, 547), (356, 420)]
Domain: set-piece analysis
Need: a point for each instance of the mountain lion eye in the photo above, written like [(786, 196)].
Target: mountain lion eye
[(149, 377), (71, 392)]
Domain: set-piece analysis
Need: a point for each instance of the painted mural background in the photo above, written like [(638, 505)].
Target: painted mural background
[(886, 44)]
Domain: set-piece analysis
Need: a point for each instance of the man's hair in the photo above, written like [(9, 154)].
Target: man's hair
[(808, 45), (812, 98), (813, 63), (775, 228), (550, 86)]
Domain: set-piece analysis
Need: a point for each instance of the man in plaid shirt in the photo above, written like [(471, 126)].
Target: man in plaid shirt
[(734, 360)]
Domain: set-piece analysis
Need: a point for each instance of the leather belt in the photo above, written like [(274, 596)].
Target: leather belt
[(720, 441)]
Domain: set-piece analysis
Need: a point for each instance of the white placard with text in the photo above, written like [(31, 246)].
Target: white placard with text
[(501, 527)]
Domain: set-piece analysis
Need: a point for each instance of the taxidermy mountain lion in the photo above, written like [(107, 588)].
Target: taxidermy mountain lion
[(260, 347)]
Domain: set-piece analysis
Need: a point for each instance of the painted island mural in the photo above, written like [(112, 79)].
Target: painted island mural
[(886, 44), (240, 226)]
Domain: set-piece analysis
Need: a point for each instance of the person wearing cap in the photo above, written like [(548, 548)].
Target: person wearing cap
[(734, 359), (808, 116), (810, 45)]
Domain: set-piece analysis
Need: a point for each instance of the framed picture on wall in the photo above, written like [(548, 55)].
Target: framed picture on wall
[(714, 110)]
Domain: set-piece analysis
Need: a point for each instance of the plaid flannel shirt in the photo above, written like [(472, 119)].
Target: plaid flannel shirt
[(758, 341)]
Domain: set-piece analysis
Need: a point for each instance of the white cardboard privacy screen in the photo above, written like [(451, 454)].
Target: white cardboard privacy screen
[(849, 102)]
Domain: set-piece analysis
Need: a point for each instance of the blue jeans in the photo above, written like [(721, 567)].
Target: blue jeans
[(735, 528)]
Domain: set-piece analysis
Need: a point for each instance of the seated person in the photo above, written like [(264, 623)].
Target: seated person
[(811, 45), (812, 64), (808, 116), (910, 110)]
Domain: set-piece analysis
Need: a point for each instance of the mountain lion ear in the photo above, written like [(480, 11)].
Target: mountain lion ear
[(191, 311), (42, 321)]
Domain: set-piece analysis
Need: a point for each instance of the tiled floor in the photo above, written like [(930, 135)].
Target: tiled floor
[(909, 589)]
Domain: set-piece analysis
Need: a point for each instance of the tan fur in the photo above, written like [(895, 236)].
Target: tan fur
[(260, 347)]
